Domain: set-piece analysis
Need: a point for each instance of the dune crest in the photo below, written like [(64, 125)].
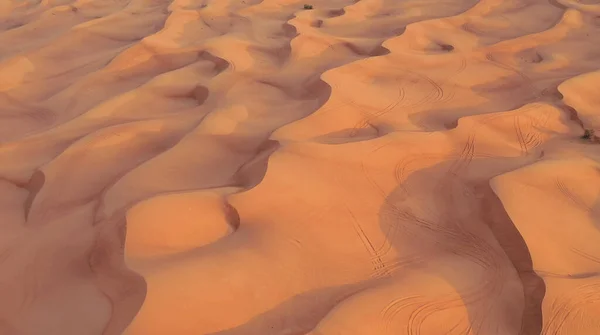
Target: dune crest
[(254, 167)]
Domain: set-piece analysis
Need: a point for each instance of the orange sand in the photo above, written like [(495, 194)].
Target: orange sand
[(248, 167)]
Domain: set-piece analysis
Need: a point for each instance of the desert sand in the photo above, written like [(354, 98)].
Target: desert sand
[(247, 167)]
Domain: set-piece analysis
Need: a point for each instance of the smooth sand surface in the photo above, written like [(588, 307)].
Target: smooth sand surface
[(247, 167)]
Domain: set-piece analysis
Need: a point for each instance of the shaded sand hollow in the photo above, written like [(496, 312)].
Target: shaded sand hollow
[(247, 167)]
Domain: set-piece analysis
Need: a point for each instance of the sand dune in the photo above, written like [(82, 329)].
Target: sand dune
[(250, 167)]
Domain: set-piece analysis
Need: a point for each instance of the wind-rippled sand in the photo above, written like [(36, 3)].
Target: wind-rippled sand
[(244, 167)]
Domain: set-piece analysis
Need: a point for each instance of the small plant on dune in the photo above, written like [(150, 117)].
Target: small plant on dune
[(588, 134), (308, 6)]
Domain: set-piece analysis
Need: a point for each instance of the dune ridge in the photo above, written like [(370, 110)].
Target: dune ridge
[(248, 167)]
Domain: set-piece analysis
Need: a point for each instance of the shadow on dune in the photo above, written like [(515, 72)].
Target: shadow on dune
[(35, 184), (253, 171), (348, 135), (446, 210), (471, 218), (595, 212), (123, 288), (509, 92), (298, 315), (516, 250), (504, 94)]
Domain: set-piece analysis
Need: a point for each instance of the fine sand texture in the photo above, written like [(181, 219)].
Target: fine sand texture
[(248, 167)]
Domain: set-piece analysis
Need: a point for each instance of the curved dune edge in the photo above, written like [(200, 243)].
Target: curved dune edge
[(250, 167)]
